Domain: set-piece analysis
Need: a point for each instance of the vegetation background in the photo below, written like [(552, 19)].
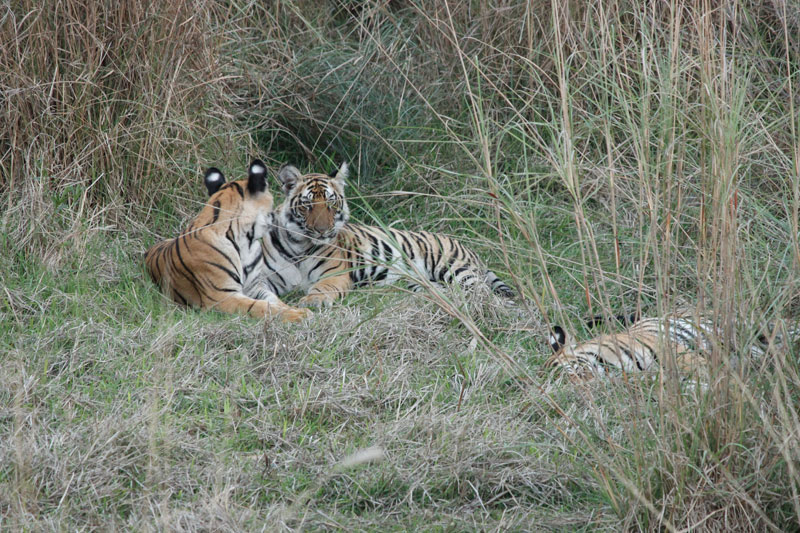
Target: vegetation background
[(604, 156)]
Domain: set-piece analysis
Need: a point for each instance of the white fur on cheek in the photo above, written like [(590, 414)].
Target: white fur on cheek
[(261, 227)]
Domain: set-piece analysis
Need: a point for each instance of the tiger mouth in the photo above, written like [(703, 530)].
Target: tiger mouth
[(321, 235)]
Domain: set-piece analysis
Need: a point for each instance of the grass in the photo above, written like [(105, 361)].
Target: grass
[(604, 158)]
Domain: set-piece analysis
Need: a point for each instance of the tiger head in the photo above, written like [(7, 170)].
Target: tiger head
[(597, 356), (315, 206), (246, 202), (563, 353)]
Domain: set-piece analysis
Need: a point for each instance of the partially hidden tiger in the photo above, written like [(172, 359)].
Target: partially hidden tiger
[(646, 343), (313, 246), (218, 261)]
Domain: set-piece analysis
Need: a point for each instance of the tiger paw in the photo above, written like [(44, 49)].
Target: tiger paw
[(316, 299), (294, 314)]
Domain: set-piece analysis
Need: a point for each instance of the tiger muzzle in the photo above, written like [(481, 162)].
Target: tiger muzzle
[(320, 219)]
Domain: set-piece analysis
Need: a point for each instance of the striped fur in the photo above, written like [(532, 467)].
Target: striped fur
[(642, 345), (217, 262), (313, 247)]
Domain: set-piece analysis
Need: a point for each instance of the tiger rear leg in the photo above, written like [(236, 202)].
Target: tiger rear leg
[(239, 303), (327, 291)]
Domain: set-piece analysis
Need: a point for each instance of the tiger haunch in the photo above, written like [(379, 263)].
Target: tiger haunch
[(217, 262), (312, 246)]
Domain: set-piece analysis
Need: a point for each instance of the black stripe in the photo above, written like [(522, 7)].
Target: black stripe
[(251, 266), (408, 249), (215, 205), (381, 275), (602, 362), (631, 356), (194, 281), (459, 270), (238, 188), (274, 271), (456, 248), (232, 274), (179, 295), (448, 270), (686, 337), (223, 254), (649, 349), (230, 236), (251, 233), (316, 266), (387, 252), (276, 242), (330, 268), (425, 254), (220, 289)]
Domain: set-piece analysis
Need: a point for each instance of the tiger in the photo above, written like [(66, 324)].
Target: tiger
[(313, 246), (643, 344), (218, 262)]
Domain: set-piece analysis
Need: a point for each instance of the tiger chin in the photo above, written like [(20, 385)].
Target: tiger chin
[(312, 246), (646, 343), (217, 262)]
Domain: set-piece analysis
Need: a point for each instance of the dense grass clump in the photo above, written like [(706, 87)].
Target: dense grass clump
[(604, 157)]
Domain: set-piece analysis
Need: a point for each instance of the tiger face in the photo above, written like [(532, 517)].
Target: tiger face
[(315, 206)]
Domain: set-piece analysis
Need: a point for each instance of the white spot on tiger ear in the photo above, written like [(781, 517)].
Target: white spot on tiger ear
[(257, 169), (214, 177), (553, 341)]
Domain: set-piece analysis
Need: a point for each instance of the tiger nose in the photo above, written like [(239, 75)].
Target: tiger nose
[(320, 225), (323, 220)]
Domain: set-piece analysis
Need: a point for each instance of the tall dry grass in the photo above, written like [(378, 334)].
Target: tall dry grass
[(665, 111)]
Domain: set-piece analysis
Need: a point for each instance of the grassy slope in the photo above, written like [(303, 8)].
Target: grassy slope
[(119, 409)]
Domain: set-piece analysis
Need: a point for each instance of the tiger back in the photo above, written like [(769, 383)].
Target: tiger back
[(217, 262), (313, 247), (644, 346)]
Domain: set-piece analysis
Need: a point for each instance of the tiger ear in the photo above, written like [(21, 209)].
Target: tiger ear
[(342, 174), (213, 180), (557, 338), (288, 175), (257, 177)]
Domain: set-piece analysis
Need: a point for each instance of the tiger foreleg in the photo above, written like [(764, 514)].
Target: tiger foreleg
[(327, 291), (272, 307)]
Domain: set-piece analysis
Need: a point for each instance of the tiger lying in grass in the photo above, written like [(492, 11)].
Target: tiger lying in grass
[(312, 246), (644, 344), (217, 262)]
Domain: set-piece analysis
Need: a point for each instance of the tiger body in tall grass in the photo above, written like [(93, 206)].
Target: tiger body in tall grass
[(645, 345), (218, 261), (312, 246)]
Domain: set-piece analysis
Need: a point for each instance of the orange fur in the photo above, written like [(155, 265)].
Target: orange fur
[(217, 262)]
